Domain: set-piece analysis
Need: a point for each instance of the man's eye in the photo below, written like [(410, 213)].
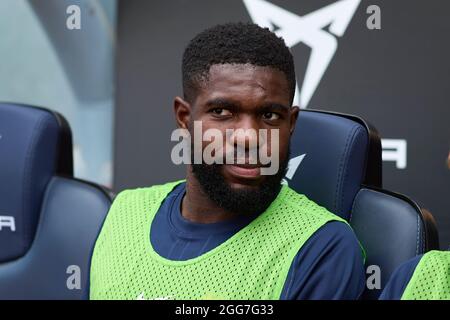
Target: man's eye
[(271, 116), (221, 112)]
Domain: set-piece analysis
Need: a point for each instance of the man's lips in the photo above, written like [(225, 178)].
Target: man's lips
[(246, 171)]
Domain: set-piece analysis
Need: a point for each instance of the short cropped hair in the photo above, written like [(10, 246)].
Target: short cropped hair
[(234, 43)]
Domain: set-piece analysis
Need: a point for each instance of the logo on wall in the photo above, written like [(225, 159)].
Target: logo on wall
[(395, 150), (7, 222), (307, 29)]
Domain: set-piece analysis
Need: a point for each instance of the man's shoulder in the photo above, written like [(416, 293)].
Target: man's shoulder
[(301, 203), (334, 233), (332, 249), (308, 221), (338, 233)]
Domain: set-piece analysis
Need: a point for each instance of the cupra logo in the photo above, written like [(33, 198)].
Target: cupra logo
[(307, 29)]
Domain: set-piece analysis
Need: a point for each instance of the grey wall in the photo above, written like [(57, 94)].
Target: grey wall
[(396, 78), (71, 71)]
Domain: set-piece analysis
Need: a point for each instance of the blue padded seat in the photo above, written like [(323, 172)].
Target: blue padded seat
[(336, 161), (49, 221)]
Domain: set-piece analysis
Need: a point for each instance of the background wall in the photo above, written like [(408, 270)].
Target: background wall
[(397, 78), (43, 63)]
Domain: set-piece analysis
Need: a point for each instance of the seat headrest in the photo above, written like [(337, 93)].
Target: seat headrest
[(35, 144), (334, 154)]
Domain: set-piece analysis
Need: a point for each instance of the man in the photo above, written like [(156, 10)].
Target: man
[(229, 231), (425, 277)]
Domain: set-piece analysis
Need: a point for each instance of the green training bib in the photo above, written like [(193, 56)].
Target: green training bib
[(431, 278), (252, 264)]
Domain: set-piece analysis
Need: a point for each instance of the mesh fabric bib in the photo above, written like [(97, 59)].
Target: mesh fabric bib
[(252, 264), (431, 278)]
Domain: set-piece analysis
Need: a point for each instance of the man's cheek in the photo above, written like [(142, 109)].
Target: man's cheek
[(269, 153)]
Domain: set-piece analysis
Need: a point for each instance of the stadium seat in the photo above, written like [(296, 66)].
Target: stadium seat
[(336, 161), (49, 220)]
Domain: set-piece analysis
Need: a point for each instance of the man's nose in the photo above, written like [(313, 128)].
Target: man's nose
[(245, 133)]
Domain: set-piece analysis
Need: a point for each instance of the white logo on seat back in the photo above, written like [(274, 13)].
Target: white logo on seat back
[(308, 29), (7, 222), (293, 165)]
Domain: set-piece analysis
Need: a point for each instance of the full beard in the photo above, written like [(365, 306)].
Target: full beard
[(242, 201)]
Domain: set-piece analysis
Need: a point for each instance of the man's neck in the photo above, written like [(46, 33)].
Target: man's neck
[(198, 207)]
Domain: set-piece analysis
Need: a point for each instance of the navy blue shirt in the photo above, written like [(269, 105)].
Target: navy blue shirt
[(399, 280), (328, 266)]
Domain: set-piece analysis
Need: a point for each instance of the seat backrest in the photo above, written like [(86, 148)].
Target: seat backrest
[(339, 167), (392, 229), (49, 220), (332, 155), (30, 154)]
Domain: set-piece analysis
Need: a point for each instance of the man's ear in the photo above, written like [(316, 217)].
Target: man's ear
[(293, 118), (183, 112)]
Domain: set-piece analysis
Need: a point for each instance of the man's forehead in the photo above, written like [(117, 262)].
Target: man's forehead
[(239, 71), (234, 77)]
